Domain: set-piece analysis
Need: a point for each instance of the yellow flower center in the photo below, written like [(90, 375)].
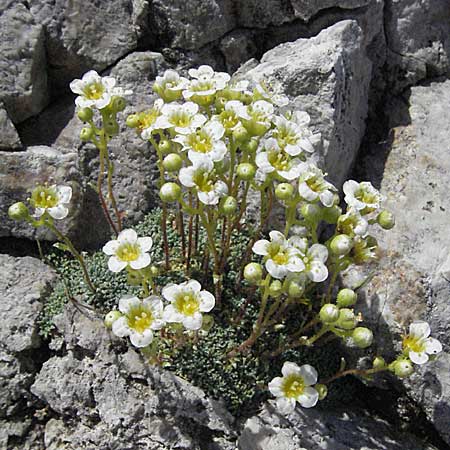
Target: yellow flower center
[(278, 254), (202, 181), (139, 318), (200, 86), (180, 119), (44, 197), (365, 196), (94, 91), (285, 136), (147, 118), (187, 303), (200, 142), (413, 344), (278, 160), (229, 119), (128, 252), (316, 184), (293, 386)]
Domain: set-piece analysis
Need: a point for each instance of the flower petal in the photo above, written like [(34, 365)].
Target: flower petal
[(318, 252), (127, 236), (193, 322), (64, 193), (433, 346), (58, 212), (207, 301), (170, 291), (275, 387), (111, 247), (141, 339), (317, 271), (277, 237), (418, 357), (309, 374), (127, 303), (290, 368), (120, 327), (172, 315), (276, 270), (261, 247), (145, 243), (115, 264), (420, 329), (308, 398), (142, 261)]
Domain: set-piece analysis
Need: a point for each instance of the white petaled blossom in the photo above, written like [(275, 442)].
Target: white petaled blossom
[(170, 86), (184, 119), (206, 141), (233, 114), (96, 91), (362, 196), (201, 176), (51, 200), (312, 186), (140, 318), (313, 258), (128, 250), (280, 257), (277, 99), (260, 121), (418, 344), (352, 223), (147, 119), (295, 386), (294, 136), (271, 159), (206, 83), (187, 303)]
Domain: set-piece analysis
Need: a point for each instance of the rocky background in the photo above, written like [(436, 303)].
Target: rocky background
[(372, 75)]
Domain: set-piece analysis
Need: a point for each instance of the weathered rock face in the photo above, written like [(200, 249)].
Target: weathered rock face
[(328, 76), (9, 139), (82, 36), (23, 81), (315, 429), (413, 281)]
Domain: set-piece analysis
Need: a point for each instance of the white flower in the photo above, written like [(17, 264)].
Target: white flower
[(170, 85), (206, 83), (128, 250), (147, 119), (280, 257), (312, 186), (295, 386), (187, 303), (293, 137), (418, 344), (206, 141), (273, 160), (263, 91), (234, 111), (51, 200), (184, 119), (362, 196), (140, 318), (201, 177), (95, 91), (260, 113), (313, 258), (352, 223)]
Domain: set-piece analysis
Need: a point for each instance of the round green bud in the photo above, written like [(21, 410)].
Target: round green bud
[(275, 288), (362, 337), (111, 317), (118, 103), (251, 145), (86, 134), (295, 289), (222, 167), (132, 121), (207, 323), (347, 319), (378, 362), (111, 127), (170, 192), (134, 277), (341, 245), (332, 214), (227, 205), (246, 171), (172, 162), (386, 220), (253, 273), (311, 212), (329, 313), (284, 191), (18, 211), (154, 271), (322, 390), (165, 146), (240, 134), (346, 297), (85, 114), (403, 368), (220, 103)]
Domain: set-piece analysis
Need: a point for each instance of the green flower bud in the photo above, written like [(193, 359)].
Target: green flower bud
[(346, 297), (329, 313), (134, 277), (311, 212), (165, 146), (251, 145), (172, 162), (378, 362), (118, 103), (295, 289), (322, 390), (403, 368), (341, 244), (222, 167), (275, 288), (284, 191), (332, 214), (170, 192), (220, 104), (132, 120), (86, 134), (18, 211), (240, 134), (111, 317), (85, 114), (207, 322), (253, 273), (111, 127), (246, 171), (347, 319), (362, 337), (386, 220), (227, 205), (154, 271)]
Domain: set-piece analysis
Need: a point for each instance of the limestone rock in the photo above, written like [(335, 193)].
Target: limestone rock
[(9, 139), (23, 81), (238, 47), (328, 76)]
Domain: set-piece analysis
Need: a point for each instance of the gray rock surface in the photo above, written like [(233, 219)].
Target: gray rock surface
[(328, 76), (9, 139), (23, 81), (318, 429), (413, 280)]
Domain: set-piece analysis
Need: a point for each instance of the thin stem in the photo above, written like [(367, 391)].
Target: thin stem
[(190, 236), (111, 196), (164, 233), (360, 372), (181, 232), (101, 170)]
